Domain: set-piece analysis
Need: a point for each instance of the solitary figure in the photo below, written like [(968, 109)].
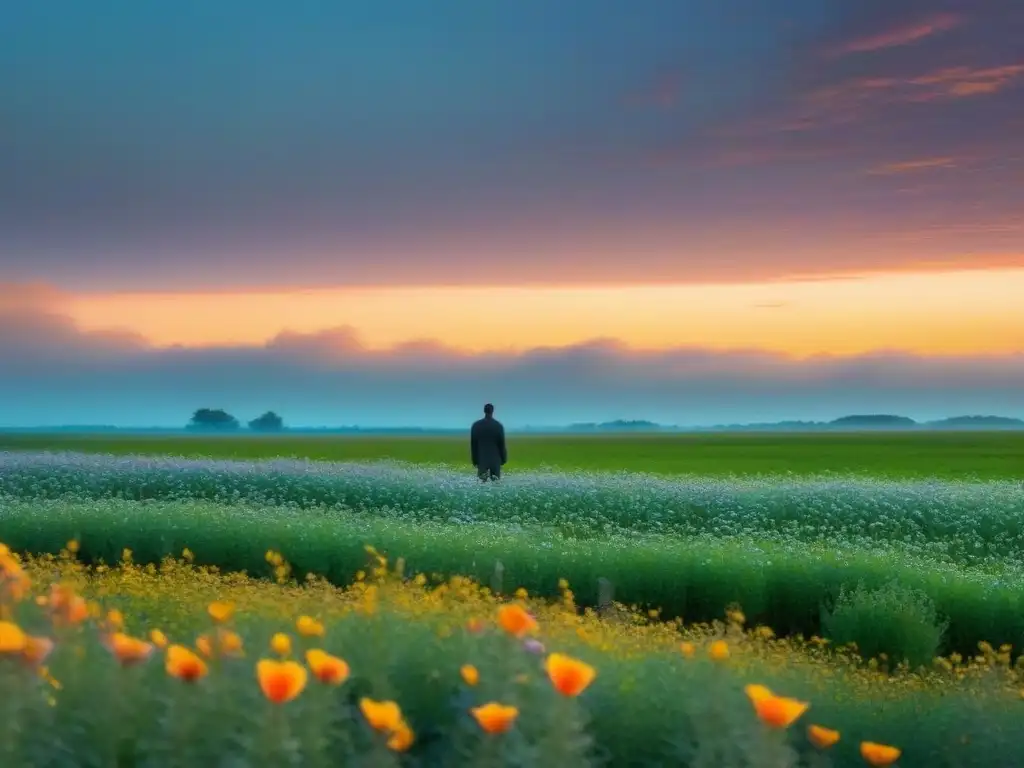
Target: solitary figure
[(487, 444)]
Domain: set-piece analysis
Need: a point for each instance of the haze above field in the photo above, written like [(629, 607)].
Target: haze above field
[(715, 212)]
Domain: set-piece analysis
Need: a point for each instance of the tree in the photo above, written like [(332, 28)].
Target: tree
[(268, 422), (213, 419)]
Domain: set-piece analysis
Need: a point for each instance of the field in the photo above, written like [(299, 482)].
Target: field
[(889, 569), (954, 455)]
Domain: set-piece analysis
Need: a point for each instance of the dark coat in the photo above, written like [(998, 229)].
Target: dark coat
[(487, 443)]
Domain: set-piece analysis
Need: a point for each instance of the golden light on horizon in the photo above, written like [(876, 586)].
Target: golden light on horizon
[(966, 312)]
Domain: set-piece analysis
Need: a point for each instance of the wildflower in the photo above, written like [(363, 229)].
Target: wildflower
[(127, 649), (307, 626), (822, 737), (183, 664), (12, 638), (401, 738), (776, 711), (327, 668), (115, 619), (515, 620), (879, 754), (534, 646), (521, 594), (205, 646), (281, 644), (158, 638), (719, 650), (495, 717), (36, 649), (220, 611), (569, 676), (281, 681), (381, 715), (687, 649), (230, 643), (470, 674), (66, 606), (476, 625)]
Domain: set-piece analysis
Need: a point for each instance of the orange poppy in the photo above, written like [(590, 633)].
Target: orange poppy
[(569, 676), (495, 717), (327, 668), (822, 737), (281, 681), (184, 664), (515, 620), (879, 754)]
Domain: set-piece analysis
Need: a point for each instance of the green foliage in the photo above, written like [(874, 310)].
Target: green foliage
[(779, 584), (647, 706), (895, 620)]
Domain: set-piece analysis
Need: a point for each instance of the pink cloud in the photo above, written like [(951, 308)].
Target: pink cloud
[(912, 166), (902, 35)]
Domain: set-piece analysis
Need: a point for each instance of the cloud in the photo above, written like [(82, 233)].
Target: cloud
[(904, 34), (853, 99), (912, 166), (65, 376)]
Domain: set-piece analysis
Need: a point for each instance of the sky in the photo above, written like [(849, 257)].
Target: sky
[(692, 211)]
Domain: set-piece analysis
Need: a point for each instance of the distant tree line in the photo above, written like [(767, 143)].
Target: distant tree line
[(219, 420)]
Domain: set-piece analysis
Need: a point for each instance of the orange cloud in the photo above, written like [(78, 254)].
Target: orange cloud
[(844, 315), (903, 35)]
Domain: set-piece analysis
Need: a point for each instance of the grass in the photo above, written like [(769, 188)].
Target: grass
[(955, 455), (906, 569), (662, 694)]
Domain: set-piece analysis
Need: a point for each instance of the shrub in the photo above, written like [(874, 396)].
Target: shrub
[(895, 620)]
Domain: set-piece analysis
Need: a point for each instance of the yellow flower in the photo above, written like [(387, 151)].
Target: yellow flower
[(470, 674), (158, 638), (515, 620), (12, 638), (327, 668), (281, 681), (220, 611), (307, 626), (115, 619), (569, 676), (184, 664), (878, 754), (495, 717), (381, 715), (127, 649), (719, 650), (822, 737), (281, 644), (687, 649)]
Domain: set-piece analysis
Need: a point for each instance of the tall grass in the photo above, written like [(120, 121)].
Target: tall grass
[(782, 583)]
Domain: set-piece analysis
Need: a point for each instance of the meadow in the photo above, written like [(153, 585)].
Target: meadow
[(895, 600), (953, 455)]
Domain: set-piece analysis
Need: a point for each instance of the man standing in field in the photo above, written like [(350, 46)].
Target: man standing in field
[(487, 445)]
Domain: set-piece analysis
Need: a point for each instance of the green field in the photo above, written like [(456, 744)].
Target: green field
[(955, 455), (874, 539)]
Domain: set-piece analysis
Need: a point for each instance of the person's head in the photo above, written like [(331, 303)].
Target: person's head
[(488, 410)]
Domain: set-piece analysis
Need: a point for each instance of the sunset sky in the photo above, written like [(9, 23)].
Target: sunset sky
[(694, 211)]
